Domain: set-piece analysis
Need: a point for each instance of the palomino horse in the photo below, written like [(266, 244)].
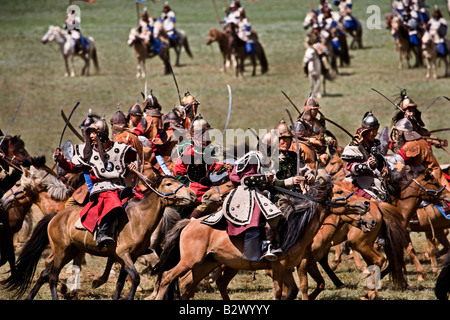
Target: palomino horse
[(180, 41), (430, 55), (142, 53), (67, 46), (134, 231), (222, 39), (239, 51), (203, 248), (402, 44)]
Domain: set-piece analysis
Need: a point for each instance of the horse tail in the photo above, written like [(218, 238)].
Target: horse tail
[(442, 287), (95, 59), (20, 280), (170, 255), (262, 59), (187, 48), (395, 234)]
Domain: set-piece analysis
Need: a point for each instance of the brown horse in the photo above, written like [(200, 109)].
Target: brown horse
[(222, 39), (238, 50), (203, 248), (142, 53), (430, 54), (133, 239), (307, 153), (402, 44)]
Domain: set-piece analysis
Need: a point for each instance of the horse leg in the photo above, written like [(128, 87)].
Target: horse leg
[(61, 257), (432, 251), (104, 277), (72, 66), (427, 62), (170, 275), (43, 278), (7, 249), (127, 268), (223, 281), (421, 273), (199, 272), (326, 267), (253, 59), (66, 63), (314, 272), (177, 52)]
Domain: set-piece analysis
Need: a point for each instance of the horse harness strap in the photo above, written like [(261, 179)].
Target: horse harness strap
[(430, 192)]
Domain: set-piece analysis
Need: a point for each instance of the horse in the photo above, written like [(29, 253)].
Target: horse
[(177, 43), (430, 55), (239, 51), (307, 153), (222, 39), (134, 231), (67, 46), (142, 53), (402, 44), (202, 248), (315, 72), (356, 34)]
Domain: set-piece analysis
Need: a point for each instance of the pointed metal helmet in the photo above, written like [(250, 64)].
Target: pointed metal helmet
[(299, 128), (407, 103), (188, 98), (118, 118), (406, 127), (283, 129), (312, 103), (369, 121), (199, 125), (151, 102), (135, 110), (100, 127)]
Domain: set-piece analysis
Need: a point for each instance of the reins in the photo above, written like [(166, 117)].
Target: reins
[(159, 193), (308, 198)]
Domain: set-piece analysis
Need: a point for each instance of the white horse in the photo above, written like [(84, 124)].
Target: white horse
[(430, 55), (67, 46), (180, 42), (314, 71)]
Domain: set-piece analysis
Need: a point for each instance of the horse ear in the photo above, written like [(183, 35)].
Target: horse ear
[(428, 175), (26, 173)]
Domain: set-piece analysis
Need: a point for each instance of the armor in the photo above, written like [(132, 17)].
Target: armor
[(406, 127), (283, 129), (369, 122), (151, 102), (101, 128), (113, 171), (118, 123), (189, 99)]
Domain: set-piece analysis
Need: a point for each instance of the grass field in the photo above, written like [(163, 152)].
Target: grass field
[(30, 69)]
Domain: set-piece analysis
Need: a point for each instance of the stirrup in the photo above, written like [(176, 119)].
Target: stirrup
[(269, 255)]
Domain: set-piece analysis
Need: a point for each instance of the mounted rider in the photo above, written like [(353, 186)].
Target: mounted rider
[(315, 131), (168, 21), (366, 162), (408, 109), (316, 40), (245, 32), (108, 163), (72, 23), (412, 20), (411, 149), (146, 33), (437, 26)]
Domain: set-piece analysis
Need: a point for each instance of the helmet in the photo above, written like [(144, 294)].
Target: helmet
[(406, 127), (299, 128), (188, 98), (135, 110), (369, 121), (100, 127), (312, 103), (283, 129), (151, 102), (199, 125), (407, 103), (118, 123), (173, 119), (88, 121)]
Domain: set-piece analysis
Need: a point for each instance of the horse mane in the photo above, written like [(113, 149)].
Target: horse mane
[(298, 213), (57, 189)]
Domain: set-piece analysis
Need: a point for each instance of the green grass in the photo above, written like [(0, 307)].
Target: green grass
[(33, 70)]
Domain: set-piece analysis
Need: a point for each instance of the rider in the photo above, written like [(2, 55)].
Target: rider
[(410, 110), (414, 150), (411, 19), (365, 162), (108, 163), (72, 23), (315, 131), (145, 29), (245, 32), (168, 22), (316, 40), (438, 29)]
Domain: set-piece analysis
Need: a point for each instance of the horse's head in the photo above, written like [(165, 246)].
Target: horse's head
[(132, 36), (427, 41), (211, 37), (51, 34), (428, 188), (388, 20), (14, 149), (174, 192), (33, 183), (310, 18), (355, 209), (216, 194)]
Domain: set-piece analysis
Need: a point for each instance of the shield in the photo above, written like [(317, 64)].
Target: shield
[(67, 149), (384, 141)]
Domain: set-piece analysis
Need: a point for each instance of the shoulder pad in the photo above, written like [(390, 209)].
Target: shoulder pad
[(412, 149), (352, 153)]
